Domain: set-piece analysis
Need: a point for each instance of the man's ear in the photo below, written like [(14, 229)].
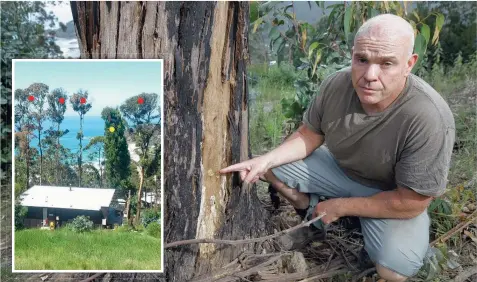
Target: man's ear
[(352, 50), (411, 63)]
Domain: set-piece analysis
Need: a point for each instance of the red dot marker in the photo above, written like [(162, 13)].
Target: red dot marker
[(31, 98), (82, 100), (61, 100), (140, 100)]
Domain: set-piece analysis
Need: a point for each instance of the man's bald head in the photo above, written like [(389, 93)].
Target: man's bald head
[(388, 25)]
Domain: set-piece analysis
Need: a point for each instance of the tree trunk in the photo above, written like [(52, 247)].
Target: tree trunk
[(41, 151), (128, 206), (139, 195), (80, 156), (27, 159), (100, 170), (57, 156), (204, 47), (156, 193)]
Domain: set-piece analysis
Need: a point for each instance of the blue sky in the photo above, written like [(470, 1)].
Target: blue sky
[(109, 83)]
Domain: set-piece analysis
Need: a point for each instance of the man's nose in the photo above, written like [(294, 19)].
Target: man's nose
[(372, 72)]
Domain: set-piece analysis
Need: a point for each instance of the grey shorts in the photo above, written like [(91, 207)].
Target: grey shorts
[(399, 245)]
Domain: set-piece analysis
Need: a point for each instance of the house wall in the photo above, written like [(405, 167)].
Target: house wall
[(34, 216), (65, 215)]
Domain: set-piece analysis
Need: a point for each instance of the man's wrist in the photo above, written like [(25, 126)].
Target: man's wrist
[(344, 205), (269, 160)]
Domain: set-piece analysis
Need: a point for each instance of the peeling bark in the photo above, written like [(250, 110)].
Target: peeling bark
[(204, 47)]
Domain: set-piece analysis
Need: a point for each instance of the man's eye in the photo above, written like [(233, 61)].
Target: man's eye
[(362, 60), (388, 64)]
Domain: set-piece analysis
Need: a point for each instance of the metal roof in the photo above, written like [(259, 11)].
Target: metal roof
[(63, 197)]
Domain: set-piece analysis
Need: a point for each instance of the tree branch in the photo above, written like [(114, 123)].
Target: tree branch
[(244, 241), (471, 219)]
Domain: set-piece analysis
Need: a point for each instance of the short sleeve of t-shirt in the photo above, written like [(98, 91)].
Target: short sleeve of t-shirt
[(425, 160), (314, 114)]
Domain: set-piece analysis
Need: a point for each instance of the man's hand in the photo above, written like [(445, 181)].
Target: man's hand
[(332, 207), (297, 147), (251, 170)]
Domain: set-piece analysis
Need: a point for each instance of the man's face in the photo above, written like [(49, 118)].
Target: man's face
[(380, 65)]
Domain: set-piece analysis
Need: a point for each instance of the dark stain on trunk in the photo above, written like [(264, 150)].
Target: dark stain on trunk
[(142, 19)]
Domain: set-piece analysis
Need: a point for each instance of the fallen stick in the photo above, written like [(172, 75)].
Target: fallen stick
[(456, 229), (464, 275), (91, 278), (364, 273), (244, 241), (326, 275)]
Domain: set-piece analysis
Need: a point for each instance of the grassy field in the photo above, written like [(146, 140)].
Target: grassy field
[(97, 250)]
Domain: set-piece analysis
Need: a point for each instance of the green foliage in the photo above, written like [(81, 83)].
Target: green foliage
[(141, 113), (457, 29), (149, 216), (20, 213), (116, 150), (268, 86), (124, 228), (154, 229), (80, 224), (23, 36), (139, 228)]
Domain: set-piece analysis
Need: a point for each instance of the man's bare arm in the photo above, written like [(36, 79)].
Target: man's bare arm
[(298, 146), (402, 203)]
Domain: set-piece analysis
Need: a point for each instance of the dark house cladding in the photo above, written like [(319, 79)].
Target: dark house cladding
[(62, 204)]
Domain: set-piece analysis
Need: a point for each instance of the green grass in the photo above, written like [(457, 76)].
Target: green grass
[(267, 122), (97, 250)]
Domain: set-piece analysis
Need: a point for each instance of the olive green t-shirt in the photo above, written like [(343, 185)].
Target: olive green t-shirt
[(409, 144)]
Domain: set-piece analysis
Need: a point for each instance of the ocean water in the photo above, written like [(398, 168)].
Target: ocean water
[(92, 126)]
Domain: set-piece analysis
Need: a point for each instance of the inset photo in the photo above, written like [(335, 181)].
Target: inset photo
[(87, 165)]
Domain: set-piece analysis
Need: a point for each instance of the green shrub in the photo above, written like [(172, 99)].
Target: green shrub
[(123, 228), (154, 229), (20, 213), (139, 227), (81, 224), (150, 215)]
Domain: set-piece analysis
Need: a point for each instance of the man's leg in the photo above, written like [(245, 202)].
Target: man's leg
[(396, 246), (298, 199), (303, 182)]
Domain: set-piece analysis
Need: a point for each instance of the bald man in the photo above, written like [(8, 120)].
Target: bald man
[(389, 138)]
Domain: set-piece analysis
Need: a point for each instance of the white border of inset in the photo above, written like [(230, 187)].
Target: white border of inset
[(162, 165)]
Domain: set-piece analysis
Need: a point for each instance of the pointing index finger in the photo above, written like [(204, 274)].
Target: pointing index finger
[(235, 167)]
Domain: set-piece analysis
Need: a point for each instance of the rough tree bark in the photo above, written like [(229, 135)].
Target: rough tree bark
[(204, 47)]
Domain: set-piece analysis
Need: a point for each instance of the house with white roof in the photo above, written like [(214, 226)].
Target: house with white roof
[(63, 204)]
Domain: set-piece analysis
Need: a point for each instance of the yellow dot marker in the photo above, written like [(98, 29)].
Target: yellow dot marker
[(111, 129)]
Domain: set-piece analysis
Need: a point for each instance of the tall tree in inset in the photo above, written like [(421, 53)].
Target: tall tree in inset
[(37, 94), (80, 104), (23, 135), (142, 112), (56, 112), (97, 143), (116, 154)]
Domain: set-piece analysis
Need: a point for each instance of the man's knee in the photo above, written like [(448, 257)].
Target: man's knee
[(389, 275)]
